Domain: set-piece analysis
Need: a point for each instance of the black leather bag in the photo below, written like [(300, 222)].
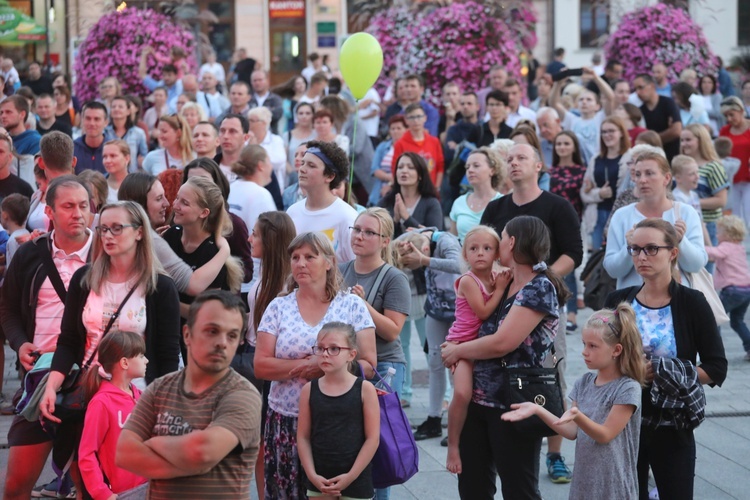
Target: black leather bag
[(540, 386)]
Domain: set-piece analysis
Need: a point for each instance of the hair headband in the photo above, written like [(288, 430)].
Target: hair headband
[(540, 268), (320, 154)]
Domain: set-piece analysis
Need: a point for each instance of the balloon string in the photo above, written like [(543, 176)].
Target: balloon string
[(352, 146)]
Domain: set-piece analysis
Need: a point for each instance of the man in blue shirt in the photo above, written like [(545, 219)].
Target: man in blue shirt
[(14, 111), (169, 79), (660, 74), (412, 92), (88, 148)]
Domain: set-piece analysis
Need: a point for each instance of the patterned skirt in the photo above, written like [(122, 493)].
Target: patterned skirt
[(283, 471)]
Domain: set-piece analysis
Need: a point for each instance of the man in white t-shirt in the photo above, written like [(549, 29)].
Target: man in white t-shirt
[(323, 168)]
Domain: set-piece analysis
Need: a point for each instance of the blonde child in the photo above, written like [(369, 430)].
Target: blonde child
[(732, 276), (478, 294), (112, 397), (685, 172), (338, 430), (605, 415)]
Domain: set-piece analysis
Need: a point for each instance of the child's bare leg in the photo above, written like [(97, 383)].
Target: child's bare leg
[(462, 387)]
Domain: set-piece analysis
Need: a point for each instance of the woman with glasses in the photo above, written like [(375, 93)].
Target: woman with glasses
[(412, 200), (123, 275), (260, 134), (122, 126), (176, 149), (653, 178), (385, 290), (604, 175), (677, 326), (286, 334)]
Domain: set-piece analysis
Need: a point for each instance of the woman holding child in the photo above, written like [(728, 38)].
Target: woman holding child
[(519, 333)]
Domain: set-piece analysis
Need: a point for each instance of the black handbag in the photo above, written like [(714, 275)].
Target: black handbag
[(540, 386), (536, 385)]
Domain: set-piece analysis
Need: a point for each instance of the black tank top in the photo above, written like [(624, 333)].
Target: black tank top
[(337, 433)]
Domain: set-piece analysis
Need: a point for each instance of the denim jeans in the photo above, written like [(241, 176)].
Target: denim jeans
[(572, 284), (405, 337), (397, 385), (711, 230), (736, 301), (597, 237)]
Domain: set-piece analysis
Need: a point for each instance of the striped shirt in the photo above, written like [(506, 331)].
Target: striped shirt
[(166, 409), (49, 308)]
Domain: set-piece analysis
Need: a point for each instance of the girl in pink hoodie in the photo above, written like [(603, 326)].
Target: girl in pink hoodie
[(112, 397)]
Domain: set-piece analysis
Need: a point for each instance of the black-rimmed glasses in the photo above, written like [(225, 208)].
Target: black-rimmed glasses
[(365, 232), (649, 250), (332, 351), (115, 230)]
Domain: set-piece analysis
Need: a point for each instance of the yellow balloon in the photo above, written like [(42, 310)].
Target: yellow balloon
[(361, 61)]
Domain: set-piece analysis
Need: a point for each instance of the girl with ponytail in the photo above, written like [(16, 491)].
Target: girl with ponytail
[(605, 416), (111, 397)]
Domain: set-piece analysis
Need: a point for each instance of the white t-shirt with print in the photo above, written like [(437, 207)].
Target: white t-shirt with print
[(295, 339), (334, 221)]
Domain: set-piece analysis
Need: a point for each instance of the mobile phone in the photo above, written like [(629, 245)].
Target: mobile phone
[(566, 73)]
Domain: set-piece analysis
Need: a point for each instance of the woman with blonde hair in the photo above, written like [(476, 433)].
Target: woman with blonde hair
[(713, 183), (486, 172), (123, 288), (176, 149), (286, 334), (193, 114), (115, 158)]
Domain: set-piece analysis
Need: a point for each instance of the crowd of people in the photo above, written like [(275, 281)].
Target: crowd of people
[(238, 261)]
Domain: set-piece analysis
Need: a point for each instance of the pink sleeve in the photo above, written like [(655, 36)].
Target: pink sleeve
[(95, 428), (719, 252)]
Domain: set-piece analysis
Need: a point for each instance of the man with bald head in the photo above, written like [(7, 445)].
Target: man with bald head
[(548, 121), (566, 248), (209, 103), (262, 96)]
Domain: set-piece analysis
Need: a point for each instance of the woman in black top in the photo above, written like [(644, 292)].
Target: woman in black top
[(412, 201), (676, 323)]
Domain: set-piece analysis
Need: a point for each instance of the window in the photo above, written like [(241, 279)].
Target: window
[(594, 23), (743, 23)]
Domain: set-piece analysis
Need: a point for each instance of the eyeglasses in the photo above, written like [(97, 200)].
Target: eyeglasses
[(115, 230), (365, 232), (649, 250), (332, 351), (415, 117)]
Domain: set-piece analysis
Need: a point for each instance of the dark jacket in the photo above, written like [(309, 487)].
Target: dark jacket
[(162, 328), (20, 291), (695, 328)]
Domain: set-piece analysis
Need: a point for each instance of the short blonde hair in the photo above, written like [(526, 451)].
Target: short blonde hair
[(320, 245), (262, 113), (681, 162), (198, 109), (418, 239), (733, 227)]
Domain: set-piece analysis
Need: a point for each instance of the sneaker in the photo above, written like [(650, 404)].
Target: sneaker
[(557, 470), (405, 403), (49, 490), (570, 327), (444, 442), (747, 356), (430, 428)]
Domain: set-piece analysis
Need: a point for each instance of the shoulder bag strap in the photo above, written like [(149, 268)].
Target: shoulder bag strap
[(111, 322), (378, 280), (54, 275)]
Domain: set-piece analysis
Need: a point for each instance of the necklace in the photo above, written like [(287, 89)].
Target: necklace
[(476, 203)]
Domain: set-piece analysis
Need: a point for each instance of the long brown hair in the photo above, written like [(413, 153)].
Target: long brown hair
[(112, 348), (624, 136), (619, 326), (276, 232)]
